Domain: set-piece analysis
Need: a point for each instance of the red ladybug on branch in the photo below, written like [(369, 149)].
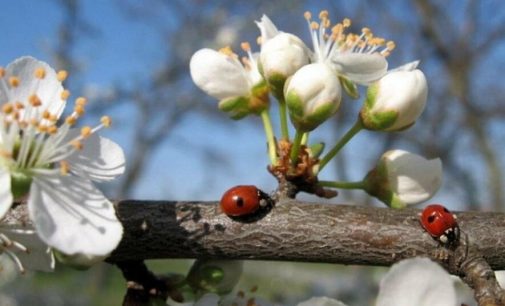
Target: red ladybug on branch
[(245, 203), (440, 223)]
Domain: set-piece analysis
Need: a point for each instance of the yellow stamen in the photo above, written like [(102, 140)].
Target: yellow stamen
[(314, 25), (52, 129), (14, 81), (86, 131), (34, 101), (70, 120), (366, 31), (40, 73), (346, 22), (106, 121), (79, 109), (2, 72), (62, 75), (42, 128), (64, 167), (390, 45), (46, 115), (323, 14), (81, 101), (245, 46), (5, 154), (34, 122), (259, 41), (227, 51), (53, 118), (19, 105), (307, 15), (7, 108), (65, 94), (76, 144)]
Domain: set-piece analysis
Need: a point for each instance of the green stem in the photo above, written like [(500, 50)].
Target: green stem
[(305, 138), (269, 132), (343, 185), (340, 144), (295, 149), (284, 119)]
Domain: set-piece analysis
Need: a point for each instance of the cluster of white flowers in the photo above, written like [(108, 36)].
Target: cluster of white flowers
[(44, 159), (309, 82)]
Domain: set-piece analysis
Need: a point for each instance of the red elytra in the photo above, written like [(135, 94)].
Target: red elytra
[(241, 200), (438, 221)]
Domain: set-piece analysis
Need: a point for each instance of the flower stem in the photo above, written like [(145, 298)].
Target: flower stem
[(305, 138), (343, 185), (295, 149), (340, 144), (269, 132), (284, 119)]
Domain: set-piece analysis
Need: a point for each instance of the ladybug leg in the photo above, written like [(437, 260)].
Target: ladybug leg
[(443, 238)]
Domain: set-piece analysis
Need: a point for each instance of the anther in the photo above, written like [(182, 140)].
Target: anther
[(70, 120), (314, 25), (86, 131), (65, 94), (81, 101), (7, 108), (245, 46), (14, 81), (64, 167), (19, 105), (62, 75), (79, 109), (227, 51), (2, 72), (346, 22), (52, 129), (307, 15), (323, 14), (53, 118), (34, 101), (106, 121), (46, 114), (76, 144), (390, 45), (40, 73)]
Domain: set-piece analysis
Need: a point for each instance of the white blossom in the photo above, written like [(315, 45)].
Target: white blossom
[(54, 163)]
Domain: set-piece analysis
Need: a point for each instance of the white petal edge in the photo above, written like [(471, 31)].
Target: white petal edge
[(219, 75), (39, 256), (267, 28), (73, 216), (5, 192), (406, 67), (48, 89), (416, 282), (209, 299), (101, 159), (360, 68), (321, 301)]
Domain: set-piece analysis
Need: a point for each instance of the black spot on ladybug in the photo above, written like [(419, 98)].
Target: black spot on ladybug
[(239, 201), (431, 219)]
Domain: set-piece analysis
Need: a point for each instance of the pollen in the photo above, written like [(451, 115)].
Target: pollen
[(70, 120), (79, 110), (65, 94), (307, 15), (77, 144), (52, 129), (228, 52), (40, 73), (323, 15), (86, 132), (7, 108), (346, 22), (14, 81), (81, 101), (62, 75), (46, 115), (245, 46), (53, 118), (34, 100), (2, 72), (106, 121), (390, 45), (19, 105), (64, 167), (314, 25)]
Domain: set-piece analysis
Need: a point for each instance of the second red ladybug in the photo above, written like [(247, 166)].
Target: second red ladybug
[(440, 223), (245, 201)]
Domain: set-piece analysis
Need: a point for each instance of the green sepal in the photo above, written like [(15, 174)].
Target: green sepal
[(236, 107), (377, 121), (316, 149), (20, 183), (276, 83), (302, 121), (260, 99), (349, 87), (378, 186)]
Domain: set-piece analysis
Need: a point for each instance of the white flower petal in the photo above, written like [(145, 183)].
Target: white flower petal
[(48, 89), (219, 75), (267, 28), (5, 192), (39, 256), (406, 67), (73, 216), (360, 68), (416, 282), (101, 159), (321, 301), (412, 177)]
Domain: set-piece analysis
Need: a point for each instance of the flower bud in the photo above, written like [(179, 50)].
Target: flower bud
[(79, 261), (313, 94), (395, 101), (402, 178), (280, 57), (240, 88)]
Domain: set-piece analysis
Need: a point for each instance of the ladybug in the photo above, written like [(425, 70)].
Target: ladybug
[(440, 223), (245, 202)]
